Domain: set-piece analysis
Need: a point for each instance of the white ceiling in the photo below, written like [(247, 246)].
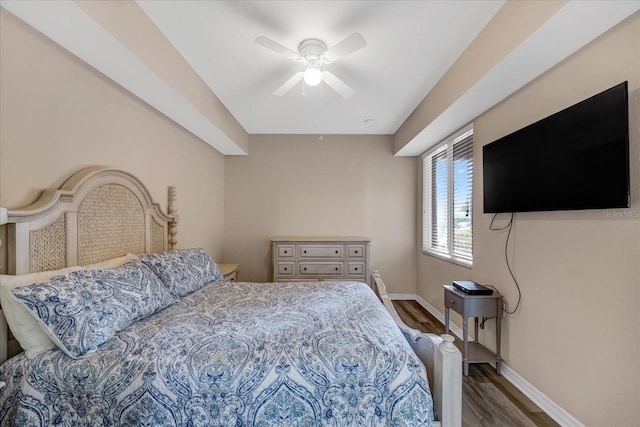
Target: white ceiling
[(410, 45)]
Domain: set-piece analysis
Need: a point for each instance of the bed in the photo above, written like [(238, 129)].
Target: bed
[(171, 343)]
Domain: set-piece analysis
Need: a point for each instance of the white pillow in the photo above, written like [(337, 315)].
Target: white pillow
[(24, 326)]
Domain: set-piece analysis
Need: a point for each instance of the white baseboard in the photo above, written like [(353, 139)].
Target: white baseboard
[(402, 296), (552, 409)]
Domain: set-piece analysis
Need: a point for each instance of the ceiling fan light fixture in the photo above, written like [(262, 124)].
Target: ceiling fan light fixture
[(313, 53), (312, 76)]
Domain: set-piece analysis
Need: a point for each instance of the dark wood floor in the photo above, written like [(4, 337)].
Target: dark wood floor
[(487, 398)]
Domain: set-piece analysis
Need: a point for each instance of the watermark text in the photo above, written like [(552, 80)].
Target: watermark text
[(631, 213)]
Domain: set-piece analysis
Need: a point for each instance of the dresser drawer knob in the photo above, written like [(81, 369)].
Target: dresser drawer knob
[(356, 269), (336, 268), (285, 269), (356, 251), (336, 251), (285, 252), (305, 252), (305, 269)]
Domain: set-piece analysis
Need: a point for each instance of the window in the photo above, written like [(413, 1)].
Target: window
[(447, 199)]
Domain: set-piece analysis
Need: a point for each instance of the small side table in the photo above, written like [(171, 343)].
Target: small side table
[(474, 306), (229, 272)]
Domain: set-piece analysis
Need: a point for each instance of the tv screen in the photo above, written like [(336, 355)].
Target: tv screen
[(577, 158)]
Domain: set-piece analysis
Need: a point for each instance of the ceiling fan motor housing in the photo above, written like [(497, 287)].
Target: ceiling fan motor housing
[(311, 51)]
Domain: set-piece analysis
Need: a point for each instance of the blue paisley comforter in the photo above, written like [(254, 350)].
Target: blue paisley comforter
[(234, 354)]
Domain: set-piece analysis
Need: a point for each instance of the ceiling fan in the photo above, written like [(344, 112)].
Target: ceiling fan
[(313, 54)]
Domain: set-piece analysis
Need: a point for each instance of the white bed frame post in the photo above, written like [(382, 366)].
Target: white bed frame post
[(448, 390), (441, 358), (172, 211), (4, 328)]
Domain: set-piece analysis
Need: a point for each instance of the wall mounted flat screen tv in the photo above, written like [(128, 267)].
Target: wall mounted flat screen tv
[(577, 158)]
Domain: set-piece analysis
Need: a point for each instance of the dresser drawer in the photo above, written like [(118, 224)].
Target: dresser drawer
[(454, 302), (472, 306), (356, 268), (285, 268), (320, 251), (355, 251), (320, 268), (286, 251)]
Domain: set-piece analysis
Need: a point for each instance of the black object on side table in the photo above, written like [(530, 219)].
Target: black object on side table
[(474, 306)]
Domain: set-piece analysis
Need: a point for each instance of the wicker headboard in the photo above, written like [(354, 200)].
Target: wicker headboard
[(97, 214)]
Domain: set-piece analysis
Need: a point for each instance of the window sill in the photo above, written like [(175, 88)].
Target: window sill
[(453, 260)]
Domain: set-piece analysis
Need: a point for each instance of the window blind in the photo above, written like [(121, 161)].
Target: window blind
[(462, 193), (447, 199), (439, 197)]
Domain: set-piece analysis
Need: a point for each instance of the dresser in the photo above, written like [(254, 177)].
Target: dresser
[(320, 258)]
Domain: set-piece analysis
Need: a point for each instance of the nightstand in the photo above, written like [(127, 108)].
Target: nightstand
[(229, 272), (474, 306)]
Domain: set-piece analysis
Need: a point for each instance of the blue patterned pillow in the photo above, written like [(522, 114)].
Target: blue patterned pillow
[(84, 309), (183, 270)]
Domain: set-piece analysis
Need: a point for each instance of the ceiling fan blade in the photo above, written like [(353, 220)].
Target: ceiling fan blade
[(338, 85), (289, 84), (347, 46), (276, 47)]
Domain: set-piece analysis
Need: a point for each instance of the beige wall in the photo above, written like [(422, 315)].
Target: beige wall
[(58, 115), (519, 19), (343, 185), (576, 336), (133, 28)]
